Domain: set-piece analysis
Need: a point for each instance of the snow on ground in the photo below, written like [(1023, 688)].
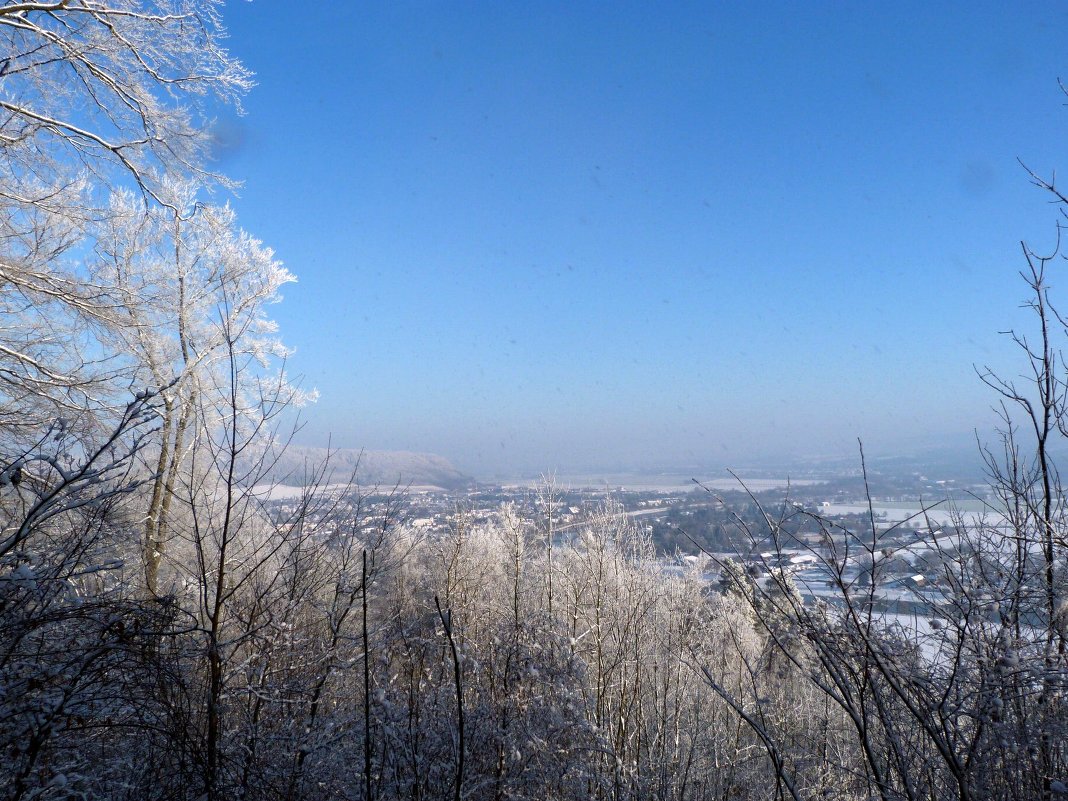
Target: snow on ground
[(944, 514)]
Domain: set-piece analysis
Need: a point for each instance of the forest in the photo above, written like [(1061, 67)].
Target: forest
[(164, 635)]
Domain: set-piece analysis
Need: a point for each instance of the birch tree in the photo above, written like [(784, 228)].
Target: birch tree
[(188, 294)]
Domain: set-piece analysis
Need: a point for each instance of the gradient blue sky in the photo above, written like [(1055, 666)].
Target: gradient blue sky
[(573, 235)]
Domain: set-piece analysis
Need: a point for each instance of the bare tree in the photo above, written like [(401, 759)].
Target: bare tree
[(73, 641)]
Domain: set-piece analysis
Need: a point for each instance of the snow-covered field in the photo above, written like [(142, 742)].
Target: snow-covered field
[(970, 512)]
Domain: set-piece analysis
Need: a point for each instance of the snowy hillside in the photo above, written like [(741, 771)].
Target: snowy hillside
[(383, 468)]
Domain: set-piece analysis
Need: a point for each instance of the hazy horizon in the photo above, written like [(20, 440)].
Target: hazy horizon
[(956, 457)]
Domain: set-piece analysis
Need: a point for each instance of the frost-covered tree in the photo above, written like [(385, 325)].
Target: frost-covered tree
[(189, 296), (967, 703), (94, 91), (77, 650), (93, 95)]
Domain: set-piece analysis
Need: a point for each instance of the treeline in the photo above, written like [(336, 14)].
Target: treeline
[(703, 525), (352, 657)]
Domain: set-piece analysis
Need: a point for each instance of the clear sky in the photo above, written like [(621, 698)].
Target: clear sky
[(537, 236)]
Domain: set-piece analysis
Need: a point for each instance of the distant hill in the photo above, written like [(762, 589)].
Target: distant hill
[(381, 468)]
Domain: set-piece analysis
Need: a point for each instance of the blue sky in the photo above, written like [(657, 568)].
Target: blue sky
[(569, 236)]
